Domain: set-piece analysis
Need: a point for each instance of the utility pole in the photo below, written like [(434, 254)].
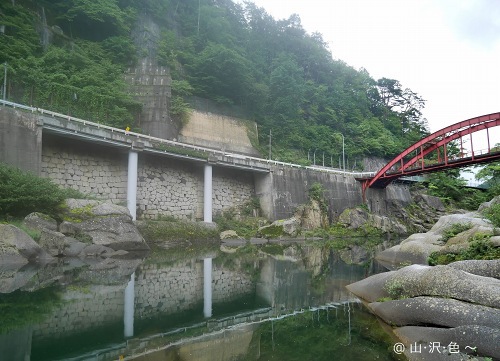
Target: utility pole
[(343, 151), (5, 81)]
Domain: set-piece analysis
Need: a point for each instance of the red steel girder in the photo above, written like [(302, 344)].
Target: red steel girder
[(442, 137), (448, 139)]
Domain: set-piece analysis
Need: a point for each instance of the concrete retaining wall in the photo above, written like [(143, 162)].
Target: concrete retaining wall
[(218, 132), (289, 187), (20, 139)]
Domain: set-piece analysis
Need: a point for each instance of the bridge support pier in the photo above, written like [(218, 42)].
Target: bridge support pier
[(132, 183), (207, 194)]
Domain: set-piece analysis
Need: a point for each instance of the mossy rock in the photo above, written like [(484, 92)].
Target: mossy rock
[(272, 231)]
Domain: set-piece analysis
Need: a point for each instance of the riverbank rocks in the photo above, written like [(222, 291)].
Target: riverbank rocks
[(229, 234), (464, 305), (355, 218), (281, 228), (102, 223), (418, 247), (17, 247)]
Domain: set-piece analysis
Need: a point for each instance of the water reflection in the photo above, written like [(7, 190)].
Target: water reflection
[(128, 308), (207, 287), (183, 308)]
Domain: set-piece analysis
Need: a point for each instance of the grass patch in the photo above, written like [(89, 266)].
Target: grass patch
[(245, 227), (480, 248), (180, 230), (19, 224), (454, 229)]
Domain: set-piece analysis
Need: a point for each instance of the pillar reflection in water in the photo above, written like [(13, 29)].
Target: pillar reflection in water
[(128, 309), (207, 287)]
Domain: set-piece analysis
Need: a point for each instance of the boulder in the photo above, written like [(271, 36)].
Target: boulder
[(18, 247), (487, 205), (283, 227), (444, 312), (53, 242), (439, 281), (39, 221), (482, 339), (415, 249), (229, 234), (102, 223), (485, 268), (461, 241), (353, 218), (73, 247), (472, 218)]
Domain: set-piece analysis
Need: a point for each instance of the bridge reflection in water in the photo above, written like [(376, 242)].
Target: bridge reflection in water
[(195, 309)]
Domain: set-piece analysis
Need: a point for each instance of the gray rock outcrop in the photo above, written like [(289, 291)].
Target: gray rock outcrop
[(464, 305), (483, 340), (102, 223), (418, 247), (17, 247)]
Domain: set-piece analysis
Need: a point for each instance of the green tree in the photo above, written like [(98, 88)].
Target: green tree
[(490, 174)]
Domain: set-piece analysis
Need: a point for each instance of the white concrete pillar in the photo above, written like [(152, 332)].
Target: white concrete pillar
[(207, 287), (128, 308), (207, 194), (132, 183)]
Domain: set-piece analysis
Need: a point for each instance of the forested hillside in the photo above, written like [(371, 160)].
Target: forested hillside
[(70, 56)]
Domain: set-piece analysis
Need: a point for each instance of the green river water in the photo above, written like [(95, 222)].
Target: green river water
[(193, 305)]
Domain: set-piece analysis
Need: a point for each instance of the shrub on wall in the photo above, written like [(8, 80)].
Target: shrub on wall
[(22, 193)]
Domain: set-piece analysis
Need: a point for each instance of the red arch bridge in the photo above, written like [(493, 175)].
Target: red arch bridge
[(431, 154)]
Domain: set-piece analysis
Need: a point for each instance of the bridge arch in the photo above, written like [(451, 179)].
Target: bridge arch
[(413, 160)]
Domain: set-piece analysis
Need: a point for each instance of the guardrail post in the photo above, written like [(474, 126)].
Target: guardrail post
[(132, 183), (207, 194)]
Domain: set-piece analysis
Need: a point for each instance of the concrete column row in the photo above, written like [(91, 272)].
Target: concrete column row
[(133, 160)]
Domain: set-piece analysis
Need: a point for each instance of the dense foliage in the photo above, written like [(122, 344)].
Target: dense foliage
[(70, 56), (22, 193)]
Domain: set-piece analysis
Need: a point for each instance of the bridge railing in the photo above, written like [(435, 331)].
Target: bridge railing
[(215, 152)]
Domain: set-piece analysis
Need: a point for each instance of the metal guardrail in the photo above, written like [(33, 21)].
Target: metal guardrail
[(234, 156)]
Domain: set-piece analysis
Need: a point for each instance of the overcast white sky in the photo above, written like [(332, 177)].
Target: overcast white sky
[(447, 51)]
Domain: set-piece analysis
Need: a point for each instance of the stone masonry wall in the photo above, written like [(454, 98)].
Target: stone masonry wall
[(158, 290), (180, 287), (169, 188), (89, 168), (165, 186), (231, 188), (83, 311)]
